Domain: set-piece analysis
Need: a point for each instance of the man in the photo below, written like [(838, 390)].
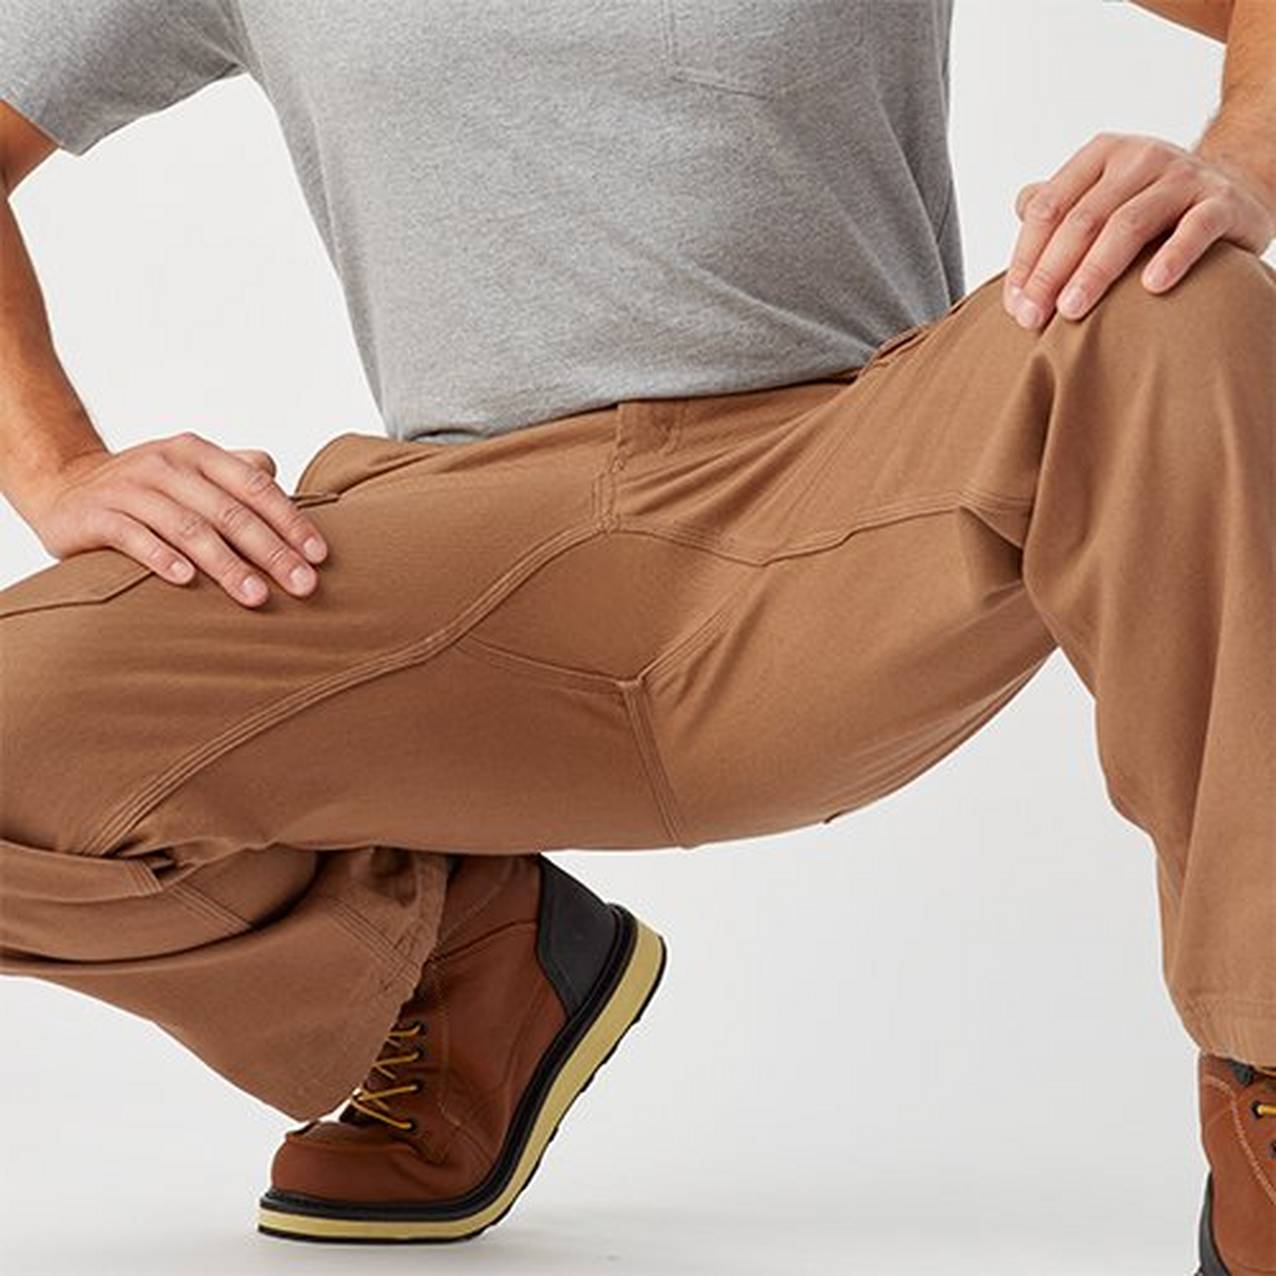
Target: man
[(757, 516)]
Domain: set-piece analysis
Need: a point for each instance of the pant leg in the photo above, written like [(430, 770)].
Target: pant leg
[(978, 494), (231, 822), (669, 623)]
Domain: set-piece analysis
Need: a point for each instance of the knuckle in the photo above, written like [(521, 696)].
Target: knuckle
[(103, 523), (1044, 280), (1090, 281), (1131, 222), (1217, 186), (160, 555), (155, 464), (279, 558), (231, 516), (1043, 207), (1085, 218), (258, 482), (295, 525), (191, 525), (1213, 216)]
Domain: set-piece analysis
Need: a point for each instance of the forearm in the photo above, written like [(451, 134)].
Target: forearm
[(1209, 17), (1241, 136), (42, 421)]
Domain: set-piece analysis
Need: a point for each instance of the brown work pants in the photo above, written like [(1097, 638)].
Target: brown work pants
[(665, 622)]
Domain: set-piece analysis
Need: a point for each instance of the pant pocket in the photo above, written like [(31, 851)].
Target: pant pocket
[(352, 457), (92, 576)]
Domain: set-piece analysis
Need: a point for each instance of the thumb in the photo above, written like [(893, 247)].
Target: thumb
[(256, 457)]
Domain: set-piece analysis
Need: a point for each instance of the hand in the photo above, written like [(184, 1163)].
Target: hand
[(1084, 226), (177, 503)]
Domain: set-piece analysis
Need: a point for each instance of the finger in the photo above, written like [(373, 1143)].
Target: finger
[(135, 539), (1129, 228), (1198, 228), (1043, 212), (1025, 194), (241, 527), (254, 487), (195, 537), (257, 458), (1080, 230)]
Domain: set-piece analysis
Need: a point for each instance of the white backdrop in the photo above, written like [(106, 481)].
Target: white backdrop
[(929, 1038)]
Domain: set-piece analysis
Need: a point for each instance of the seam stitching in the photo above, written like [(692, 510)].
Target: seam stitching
[(532, 667), (739, 550), (657, 777), (361, 929), (133, 808), (210, 909)]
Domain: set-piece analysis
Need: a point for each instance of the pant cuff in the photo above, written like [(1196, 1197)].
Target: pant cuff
[(1243, 1030)]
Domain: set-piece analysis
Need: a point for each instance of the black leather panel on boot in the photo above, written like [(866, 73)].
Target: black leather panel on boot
[(576, 930), (1211, 1263)]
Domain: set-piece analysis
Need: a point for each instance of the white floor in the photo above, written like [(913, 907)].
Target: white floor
[(912, 1228), (928, 1038)]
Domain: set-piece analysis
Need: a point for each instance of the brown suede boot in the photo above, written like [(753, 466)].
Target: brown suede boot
[(532, 984), (1238, 1128)]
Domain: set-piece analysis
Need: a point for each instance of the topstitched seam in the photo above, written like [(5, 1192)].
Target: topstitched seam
[(653, 764), (756, 554), (135, 806)]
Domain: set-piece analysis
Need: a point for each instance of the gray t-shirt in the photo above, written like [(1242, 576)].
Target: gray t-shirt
[(540, 208)]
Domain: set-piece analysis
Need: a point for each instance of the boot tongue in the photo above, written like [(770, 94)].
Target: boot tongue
[(1248, 1074)]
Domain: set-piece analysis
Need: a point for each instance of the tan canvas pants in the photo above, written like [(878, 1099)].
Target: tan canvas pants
[(663, 623)]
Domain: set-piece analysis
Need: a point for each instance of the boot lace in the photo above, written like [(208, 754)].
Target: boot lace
[(371, 1098), (1262, 1109)]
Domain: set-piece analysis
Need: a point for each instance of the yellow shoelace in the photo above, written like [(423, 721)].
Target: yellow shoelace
[(372, 1103), (1265, 1109)]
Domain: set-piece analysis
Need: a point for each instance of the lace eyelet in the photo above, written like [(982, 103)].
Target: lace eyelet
[(1257, 1109)]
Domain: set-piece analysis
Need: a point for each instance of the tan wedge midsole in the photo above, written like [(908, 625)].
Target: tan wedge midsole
[(622, 1009)]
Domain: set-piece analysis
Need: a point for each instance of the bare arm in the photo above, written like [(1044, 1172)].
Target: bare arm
[(175, 504), (1209, 17), (1241, 138), (33, 386), (1084, 225)]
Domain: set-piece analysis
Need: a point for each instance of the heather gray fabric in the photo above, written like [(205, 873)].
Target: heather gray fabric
[(537, 209)]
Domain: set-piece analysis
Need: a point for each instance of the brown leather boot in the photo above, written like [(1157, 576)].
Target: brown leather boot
[(533, 982), (1238, 1128)]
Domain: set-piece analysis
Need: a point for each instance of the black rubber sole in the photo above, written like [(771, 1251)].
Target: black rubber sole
[(333, 1222), (1211, 1264)]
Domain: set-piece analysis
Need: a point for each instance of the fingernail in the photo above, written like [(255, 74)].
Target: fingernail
[(302, 577), (254, 587), (1028, 312), (314, 549), (1073, 300), (183, 571), (1156, 276)]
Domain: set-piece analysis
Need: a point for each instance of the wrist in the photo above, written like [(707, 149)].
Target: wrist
[(34, 461), (1242, 141)]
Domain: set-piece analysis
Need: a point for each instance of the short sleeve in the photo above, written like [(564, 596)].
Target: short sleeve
[(80, 69)]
